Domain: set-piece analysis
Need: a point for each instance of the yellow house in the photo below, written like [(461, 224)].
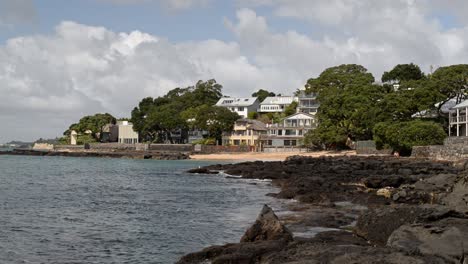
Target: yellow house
[(246, 132)]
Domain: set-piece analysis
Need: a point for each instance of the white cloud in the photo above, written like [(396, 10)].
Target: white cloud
[(171, 4), (49, 81)]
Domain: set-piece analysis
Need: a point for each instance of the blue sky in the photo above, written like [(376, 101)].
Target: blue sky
[(62, 59)]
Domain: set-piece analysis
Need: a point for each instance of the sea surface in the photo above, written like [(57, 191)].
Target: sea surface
[(96, 210)]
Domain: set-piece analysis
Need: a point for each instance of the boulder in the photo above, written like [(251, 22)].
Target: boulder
[(377, 224), (447, 238), (267, 227)]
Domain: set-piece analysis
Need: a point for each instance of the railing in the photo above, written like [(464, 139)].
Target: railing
[(460, 119)]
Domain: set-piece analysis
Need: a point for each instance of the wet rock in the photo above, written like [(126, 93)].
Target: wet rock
[(239, 253), (202, 171), (267, 227), (458, 197), (377, 224), (447, 238)]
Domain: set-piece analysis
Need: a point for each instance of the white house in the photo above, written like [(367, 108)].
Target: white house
[(307, 103), (291, 131), (126, 134), (242, 106), (458, 120), (276, 104)]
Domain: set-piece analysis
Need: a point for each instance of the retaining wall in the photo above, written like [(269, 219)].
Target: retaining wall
[(454, 148), (171, 147)]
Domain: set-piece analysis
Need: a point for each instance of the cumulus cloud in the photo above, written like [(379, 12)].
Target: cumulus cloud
[(49, 81)]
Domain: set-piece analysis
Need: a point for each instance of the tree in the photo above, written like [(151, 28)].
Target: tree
[(403, 136), (156, 119), (403, 72), (451, 82), (262, 94), (94, 123), (348, 104), (213, 119), (291, 109)]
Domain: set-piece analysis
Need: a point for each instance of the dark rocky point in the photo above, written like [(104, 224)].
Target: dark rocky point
[(383, 210)]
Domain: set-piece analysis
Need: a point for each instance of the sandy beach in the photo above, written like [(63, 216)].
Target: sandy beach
[(277, 156)]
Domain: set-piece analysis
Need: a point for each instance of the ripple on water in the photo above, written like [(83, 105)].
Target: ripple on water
[(75, 210)]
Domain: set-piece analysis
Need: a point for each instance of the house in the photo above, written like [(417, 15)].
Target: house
[(307, 103), (458, 120), (195, 135), (246, 132), (290, 131), (276, 104), (242, 106), (122, 132)]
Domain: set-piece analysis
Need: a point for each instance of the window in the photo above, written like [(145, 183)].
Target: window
[(240, 109), (236, 142), (280, 132), (290, 142)]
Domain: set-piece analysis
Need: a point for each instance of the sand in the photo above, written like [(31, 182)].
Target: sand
[(277, 156)]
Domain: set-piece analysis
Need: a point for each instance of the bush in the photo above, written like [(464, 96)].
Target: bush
[(403, 136)]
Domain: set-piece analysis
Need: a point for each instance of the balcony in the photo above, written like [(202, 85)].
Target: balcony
[(461, 119)]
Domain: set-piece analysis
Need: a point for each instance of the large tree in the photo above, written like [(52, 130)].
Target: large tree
[(348, 104), (403, 72), (155, 119), (451, 82), (213, 119), (93, 123)]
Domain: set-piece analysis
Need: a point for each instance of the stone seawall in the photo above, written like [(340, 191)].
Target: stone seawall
[(454, 148)]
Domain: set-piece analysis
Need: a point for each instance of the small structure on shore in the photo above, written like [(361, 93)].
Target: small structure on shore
[(73, 137)]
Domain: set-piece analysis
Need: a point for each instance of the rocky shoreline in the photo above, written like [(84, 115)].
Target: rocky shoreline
[(354, 210), (156, 155)]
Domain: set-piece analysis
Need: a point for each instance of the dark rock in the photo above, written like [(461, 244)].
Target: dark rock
[(202, 171), (376, 225), (267, 227), (447, 238)]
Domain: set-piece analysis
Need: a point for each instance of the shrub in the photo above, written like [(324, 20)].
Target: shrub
[(403, 136)]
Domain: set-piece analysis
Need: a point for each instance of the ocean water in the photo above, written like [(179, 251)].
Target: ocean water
[(87, 210)]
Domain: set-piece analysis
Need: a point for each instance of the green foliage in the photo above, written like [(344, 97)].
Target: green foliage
[(85, 139), (291, 109), (205, 141), (262, 94), (403, 136), (252, 115), (93, 123), (403, 72), (451, 82), (154, 119), (348, 104), (213, 119)]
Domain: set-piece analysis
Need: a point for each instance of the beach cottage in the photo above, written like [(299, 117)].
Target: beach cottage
[(290, 132), (246, 132)]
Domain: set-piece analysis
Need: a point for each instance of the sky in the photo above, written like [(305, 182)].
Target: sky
[(61, 60)]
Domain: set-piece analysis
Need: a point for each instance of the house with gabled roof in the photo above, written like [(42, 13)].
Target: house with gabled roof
[(290, 131), (242, 106), (246, 132)]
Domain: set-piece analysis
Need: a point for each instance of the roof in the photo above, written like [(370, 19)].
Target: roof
[(461, 105), (279, 100), (236, 101), (254, 124), (299, 116)]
